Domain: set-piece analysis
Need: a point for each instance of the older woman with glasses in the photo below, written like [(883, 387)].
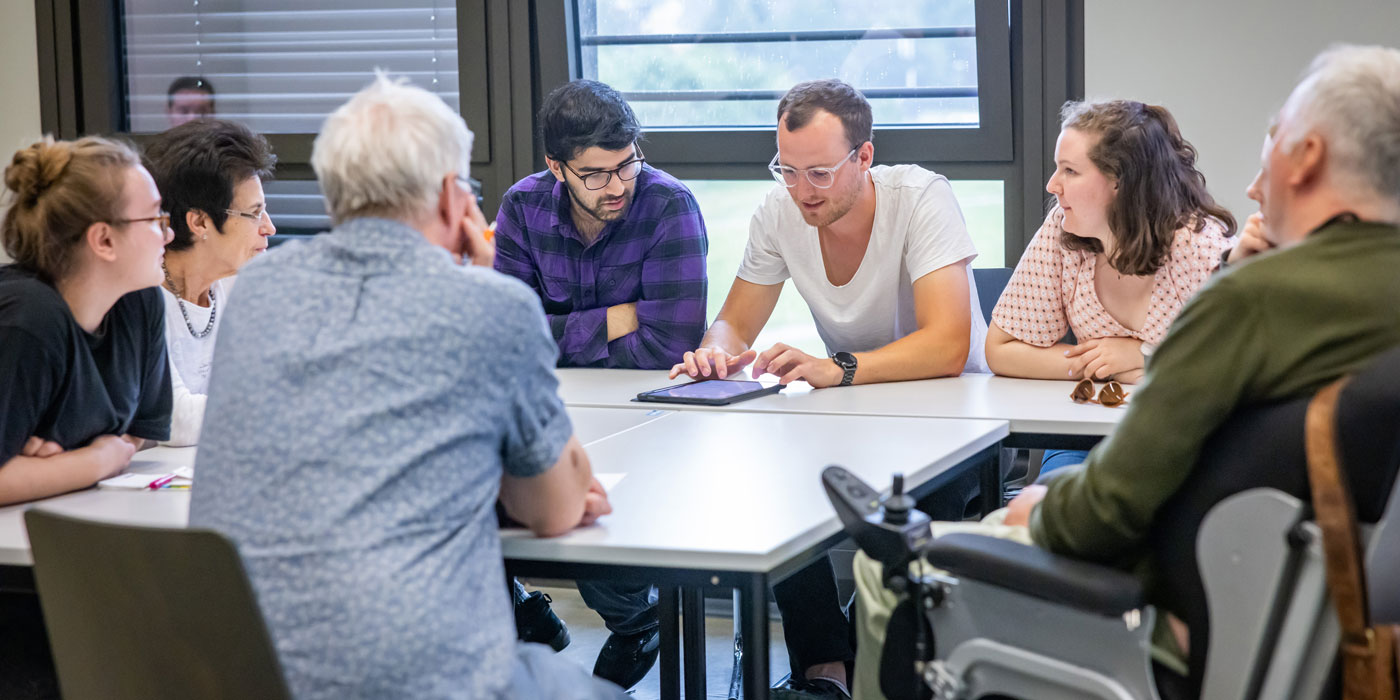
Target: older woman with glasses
[(82, 347), (210, 172)]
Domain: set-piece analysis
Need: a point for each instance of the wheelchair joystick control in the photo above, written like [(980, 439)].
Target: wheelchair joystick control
[(887, 529), (897, 505)]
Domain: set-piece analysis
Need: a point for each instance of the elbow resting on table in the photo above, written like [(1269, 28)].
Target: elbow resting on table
[(554, 526), (551, 503)]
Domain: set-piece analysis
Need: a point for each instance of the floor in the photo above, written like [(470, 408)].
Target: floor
[(588, 634)]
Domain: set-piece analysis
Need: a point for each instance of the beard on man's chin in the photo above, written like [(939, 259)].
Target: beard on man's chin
[(601, 211)]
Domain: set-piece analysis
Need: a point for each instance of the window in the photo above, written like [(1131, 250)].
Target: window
[(705, 76), (717, 63), (279, 67)]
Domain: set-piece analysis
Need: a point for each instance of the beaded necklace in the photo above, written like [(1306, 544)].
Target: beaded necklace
[(213, 306)]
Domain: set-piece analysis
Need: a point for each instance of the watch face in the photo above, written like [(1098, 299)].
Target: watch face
[(845, 359)]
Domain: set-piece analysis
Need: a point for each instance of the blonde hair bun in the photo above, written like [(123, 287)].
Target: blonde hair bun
[(35, 169)]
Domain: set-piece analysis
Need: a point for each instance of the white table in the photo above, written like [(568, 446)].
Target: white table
[(742, 492), (1035, 408), (171, 508), (735, 500), (708, 498)]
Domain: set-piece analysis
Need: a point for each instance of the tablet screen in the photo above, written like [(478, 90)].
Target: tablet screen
[(712, 389)]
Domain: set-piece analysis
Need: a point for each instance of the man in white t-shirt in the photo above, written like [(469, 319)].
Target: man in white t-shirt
[(880, 254)]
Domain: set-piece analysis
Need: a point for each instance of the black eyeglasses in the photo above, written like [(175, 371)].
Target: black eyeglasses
[(599, 179), (162, 217)]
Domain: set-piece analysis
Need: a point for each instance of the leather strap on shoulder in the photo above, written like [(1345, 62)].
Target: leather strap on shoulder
[(1368, 653)]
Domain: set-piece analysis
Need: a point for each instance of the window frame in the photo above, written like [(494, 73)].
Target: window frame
[(990, 140)]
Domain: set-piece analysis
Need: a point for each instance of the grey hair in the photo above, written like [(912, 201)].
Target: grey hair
[(386, 151), (1351, 95)]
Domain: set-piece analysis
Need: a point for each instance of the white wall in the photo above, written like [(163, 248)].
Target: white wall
[(1222, 68), (19, 80)]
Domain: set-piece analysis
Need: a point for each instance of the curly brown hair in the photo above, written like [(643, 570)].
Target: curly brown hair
[(1160, 191)]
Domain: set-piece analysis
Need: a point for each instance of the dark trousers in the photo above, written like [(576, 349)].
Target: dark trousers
[(626, 608), (815, 625)]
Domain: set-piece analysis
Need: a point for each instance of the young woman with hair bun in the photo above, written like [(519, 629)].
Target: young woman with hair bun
[(82, 325)]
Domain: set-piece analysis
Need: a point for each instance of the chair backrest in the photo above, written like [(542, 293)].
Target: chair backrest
[(1262, 447), (1271, 634), (151, 613), (1376, 392), (990, 281)]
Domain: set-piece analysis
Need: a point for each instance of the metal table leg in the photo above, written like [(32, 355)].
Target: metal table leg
[(753, 597), (670, 642), (736, 674), (693, 641), (991, 482)]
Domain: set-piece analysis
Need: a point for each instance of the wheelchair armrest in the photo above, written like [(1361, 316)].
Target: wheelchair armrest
[(1035, 572)]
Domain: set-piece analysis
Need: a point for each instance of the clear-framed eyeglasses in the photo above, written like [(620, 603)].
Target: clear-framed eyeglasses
[(255, 216), (599, 179), (821, 178)]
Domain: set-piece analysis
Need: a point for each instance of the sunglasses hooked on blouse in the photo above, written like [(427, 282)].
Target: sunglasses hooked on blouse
[(1111, 395)]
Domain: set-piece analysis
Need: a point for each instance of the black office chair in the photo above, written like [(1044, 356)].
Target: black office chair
[(149, 613)]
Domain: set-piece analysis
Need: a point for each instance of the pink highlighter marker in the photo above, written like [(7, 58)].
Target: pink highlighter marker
[(161, 482)]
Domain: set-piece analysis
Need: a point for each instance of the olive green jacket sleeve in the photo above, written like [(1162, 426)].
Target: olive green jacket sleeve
[(1194, 380)]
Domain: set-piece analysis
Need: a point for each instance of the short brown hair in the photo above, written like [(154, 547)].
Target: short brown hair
[(801, 103), (1159, 188), (59, 189)]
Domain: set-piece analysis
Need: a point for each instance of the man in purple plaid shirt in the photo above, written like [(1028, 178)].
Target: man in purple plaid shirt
[(615, 249)]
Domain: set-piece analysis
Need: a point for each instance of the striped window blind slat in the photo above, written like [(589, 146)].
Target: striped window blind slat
[(279, 66)]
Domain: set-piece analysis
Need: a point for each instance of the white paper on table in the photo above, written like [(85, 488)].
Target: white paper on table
[(183, 476), (609, 479)]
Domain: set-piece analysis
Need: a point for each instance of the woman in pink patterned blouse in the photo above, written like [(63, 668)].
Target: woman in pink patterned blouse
[(1133, 235)]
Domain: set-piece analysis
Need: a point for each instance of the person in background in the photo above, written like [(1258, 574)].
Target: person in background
[(210, 174), (84, 380), (188, 98), (615, 249), (363, 421), (1132, 236)]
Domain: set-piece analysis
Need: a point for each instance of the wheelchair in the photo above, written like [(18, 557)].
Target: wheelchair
[(1002, 619)]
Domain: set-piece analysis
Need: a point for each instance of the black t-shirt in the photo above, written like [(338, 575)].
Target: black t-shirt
[(63, 384)]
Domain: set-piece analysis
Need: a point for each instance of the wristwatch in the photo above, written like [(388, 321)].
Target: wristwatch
[(847, 362)]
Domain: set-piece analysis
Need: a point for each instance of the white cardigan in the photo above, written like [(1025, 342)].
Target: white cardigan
[(191, 360)]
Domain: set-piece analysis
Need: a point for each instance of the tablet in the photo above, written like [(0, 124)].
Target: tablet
[(709, 392)]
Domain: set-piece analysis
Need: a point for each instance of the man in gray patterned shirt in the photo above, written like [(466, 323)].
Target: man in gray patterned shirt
[(371, 399)]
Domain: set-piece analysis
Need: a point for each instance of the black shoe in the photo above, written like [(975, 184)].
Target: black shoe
[(625, 659), (803, 689), (535, 622)]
